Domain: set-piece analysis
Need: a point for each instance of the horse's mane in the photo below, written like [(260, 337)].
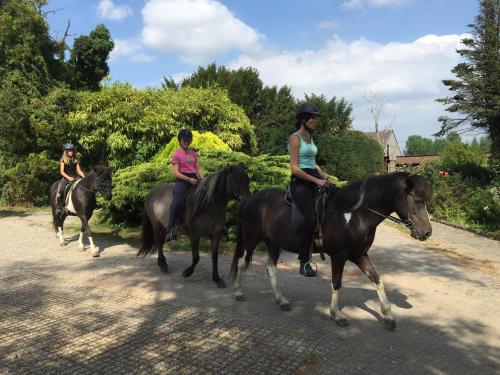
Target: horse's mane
[(368, 191), (209, 191)]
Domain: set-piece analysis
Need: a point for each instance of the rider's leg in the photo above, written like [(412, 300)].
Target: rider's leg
[(303, 197), (60, 195), (180, 190)]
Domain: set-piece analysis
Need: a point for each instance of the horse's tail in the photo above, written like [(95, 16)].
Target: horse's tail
[(146, 245), (240, 249)]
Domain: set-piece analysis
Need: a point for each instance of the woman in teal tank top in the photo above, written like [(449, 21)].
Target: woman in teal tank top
[(307, 176)]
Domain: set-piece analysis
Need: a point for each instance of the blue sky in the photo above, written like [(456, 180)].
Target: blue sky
[(393, 52)]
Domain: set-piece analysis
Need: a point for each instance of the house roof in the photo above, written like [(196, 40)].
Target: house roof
[(415, 160), (383, 135)]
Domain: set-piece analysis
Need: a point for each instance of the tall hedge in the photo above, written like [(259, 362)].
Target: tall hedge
[(350, 155), (122, 125)]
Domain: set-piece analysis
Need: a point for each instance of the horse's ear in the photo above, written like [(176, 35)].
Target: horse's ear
[(409, 184)]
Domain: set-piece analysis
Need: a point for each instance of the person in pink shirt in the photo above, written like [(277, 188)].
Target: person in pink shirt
[(187, 172)]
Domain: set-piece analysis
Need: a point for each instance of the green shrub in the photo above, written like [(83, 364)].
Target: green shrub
[(202, 142), (130, 187), (28, 182), (350, 155), (122, 126)]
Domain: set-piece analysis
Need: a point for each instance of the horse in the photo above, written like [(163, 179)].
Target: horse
[(83, 203), (203, 214), (350, 217)]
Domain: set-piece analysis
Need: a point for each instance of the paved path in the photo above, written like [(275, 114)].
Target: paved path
[(63, 312)]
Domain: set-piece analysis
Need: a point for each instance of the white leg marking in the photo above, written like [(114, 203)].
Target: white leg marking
[(334, 305), (271, 270), (95, 249), (385, 306), (81, 245), (237, 282), (61, 238)]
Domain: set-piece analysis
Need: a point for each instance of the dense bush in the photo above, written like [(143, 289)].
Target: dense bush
[(201, 142), (131, 185), (28, 181), (460, 200), (350, 155), (122, 126)]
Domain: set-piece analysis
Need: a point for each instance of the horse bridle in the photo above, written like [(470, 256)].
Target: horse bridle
[(99, 189), (405, 221)]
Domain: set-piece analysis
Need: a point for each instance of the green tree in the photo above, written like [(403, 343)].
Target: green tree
[(243, 85), (88, 61), (476, 89), (121, 125), (350, 155), (418, 145)]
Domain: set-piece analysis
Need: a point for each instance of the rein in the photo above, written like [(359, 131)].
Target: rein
[(406, 222)]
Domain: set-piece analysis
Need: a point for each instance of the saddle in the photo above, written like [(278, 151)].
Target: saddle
[(68, 202), (298, 218)]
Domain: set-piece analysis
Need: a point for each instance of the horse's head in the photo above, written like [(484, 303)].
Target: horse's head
[(237, 182), (412, 206), (103, 181)]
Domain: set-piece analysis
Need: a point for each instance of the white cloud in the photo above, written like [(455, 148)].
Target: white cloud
[(198, 31), (361, 4), (329, 25), (108, 10), (407, 75), (129, 50)]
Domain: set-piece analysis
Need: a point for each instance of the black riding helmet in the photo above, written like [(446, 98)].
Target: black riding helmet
[(307, 109), (68, 146), (185, 134)]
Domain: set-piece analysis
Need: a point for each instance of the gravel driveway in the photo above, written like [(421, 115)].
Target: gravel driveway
[(64, 312)]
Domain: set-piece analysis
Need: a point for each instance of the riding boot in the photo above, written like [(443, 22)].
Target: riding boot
[(60, 204), (306, 269)]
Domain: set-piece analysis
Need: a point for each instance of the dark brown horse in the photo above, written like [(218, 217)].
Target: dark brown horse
[(351, 217), (82, 203), (204, 214)]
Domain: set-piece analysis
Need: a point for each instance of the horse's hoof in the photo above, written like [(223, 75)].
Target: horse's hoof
[(286, 306), (82, 248), (163, 267), (240, 297), (187, 272), (62, 244), (390, 324), (96, 255), (220, 283), (341, 322)]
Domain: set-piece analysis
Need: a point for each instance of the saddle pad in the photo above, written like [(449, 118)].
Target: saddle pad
[(69, 202)]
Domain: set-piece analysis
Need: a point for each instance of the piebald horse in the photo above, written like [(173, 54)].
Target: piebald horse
[(82, 204), (350, 217)]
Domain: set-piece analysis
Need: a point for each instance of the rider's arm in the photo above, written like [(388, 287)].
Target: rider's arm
[(198, 167), (79, 171), (61, 170), (323, 174), (294, 143)]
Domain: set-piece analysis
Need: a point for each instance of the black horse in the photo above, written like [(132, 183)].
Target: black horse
[(204, 214), (82, 203), (350, 218)]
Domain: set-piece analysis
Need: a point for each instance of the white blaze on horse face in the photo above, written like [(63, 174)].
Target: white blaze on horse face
[(271, 270), (347, 216)]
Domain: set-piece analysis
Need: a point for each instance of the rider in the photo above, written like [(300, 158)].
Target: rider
[(187, 171), (306, 177), (69, 167)]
